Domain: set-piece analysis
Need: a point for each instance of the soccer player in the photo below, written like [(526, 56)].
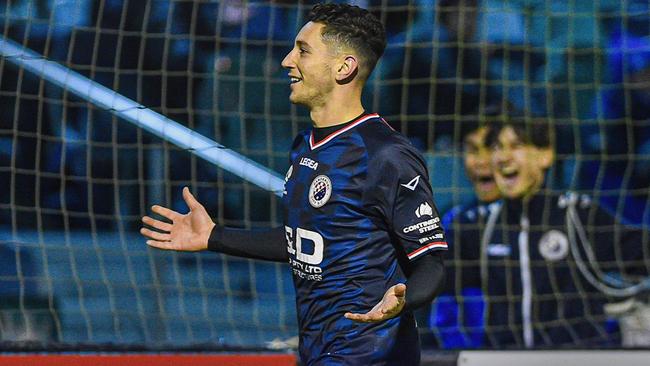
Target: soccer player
[(544, 260), (360, 224)]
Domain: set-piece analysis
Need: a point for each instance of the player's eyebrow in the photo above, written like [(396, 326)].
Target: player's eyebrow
[(303, 44)]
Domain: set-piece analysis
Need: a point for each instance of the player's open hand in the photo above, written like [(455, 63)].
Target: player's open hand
[(189, 232), (389, 307)]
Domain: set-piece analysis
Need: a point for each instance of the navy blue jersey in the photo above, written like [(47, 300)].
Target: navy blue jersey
[(358, 209)]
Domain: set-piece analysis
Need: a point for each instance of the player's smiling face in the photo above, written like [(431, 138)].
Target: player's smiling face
[(519, 167), (477, 166), (309, 65)]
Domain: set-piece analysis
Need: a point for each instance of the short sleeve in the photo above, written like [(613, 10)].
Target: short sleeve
[(399, 189)]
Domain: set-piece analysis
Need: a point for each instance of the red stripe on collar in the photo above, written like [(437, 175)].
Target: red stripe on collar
[(331, 136)]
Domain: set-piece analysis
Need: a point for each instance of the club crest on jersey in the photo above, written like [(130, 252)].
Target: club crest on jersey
[(320, 191), (554, 245)]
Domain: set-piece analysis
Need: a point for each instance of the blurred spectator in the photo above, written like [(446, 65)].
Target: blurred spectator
[(543, 262), (446, 52), (477, 161), (446, 316), (456, 62), (619, 133), (248, 114)]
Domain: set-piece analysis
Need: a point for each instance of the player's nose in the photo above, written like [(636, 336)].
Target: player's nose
[(287, 62)]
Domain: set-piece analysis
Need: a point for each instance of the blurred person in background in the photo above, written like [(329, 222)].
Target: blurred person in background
[(545, 263), (443, 58), (444, 318), (456, 61)]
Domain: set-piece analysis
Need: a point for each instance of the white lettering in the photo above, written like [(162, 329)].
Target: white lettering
[(305, 266), (288, 233), (423, 226), (317, 239), (309, 163)]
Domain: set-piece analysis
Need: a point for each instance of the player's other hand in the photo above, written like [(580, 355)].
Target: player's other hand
[(389, 307), (189, 232)]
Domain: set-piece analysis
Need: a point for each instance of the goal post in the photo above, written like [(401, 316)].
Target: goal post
[(141, 116)]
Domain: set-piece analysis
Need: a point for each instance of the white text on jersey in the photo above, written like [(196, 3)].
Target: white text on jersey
[(423, 226), (309, 163)]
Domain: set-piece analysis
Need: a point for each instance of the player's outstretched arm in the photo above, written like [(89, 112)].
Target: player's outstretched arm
[(186, 232), (390, 306)]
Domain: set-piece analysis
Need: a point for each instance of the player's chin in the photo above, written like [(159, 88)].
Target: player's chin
[(298, 101)]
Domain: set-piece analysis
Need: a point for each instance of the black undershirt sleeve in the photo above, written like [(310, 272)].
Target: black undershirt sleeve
[(425, 282), (267, 244)]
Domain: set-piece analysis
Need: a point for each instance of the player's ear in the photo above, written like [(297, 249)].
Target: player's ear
[(347, 69)]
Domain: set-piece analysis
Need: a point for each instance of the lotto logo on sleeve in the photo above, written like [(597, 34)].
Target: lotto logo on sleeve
[(320, 191), (412, 184)]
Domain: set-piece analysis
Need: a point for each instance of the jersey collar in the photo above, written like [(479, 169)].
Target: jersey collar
[(313, 145)]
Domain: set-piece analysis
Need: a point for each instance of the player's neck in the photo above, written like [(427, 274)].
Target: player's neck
[(338, 109)]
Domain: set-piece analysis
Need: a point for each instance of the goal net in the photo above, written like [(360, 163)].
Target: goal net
[(80, 165)]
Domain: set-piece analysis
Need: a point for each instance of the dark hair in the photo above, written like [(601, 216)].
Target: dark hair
[(533, 131), (485, 117), (354, 27)]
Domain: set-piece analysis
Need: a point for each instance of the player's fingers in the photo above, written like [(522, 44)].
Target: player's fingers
[(355, 317), (165, 212), (364, 318), (399, 290), (155, 235), (160, 244), (192, 203), (156, 223)]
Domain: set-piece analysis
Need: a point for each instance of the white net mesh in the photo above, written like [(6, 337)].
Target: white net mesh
[(76, 178)]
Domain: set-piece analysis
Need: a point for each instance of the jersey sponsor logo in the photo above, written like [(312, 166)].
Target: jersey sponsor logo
[(424, 226), (320, 191), (424, 210), (306, 264), (499, 250), (554, 245), (438, 236), (286, 179), (309, 163), (412, 184)]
